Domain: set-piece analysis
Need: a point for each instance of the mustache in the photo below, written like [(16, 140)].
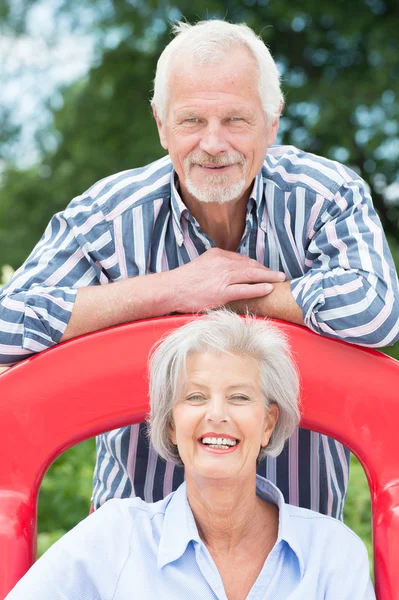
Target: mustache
[(202, 158)]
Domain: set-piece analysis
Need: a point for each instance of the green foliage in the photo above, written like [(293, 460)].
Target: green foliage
[(394, 246), (6, 272), (338, 61), (357, 512), (65, 493)]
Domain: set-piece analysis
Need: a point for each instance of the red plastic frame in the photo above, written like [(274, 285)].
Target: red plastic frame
[(98, 382)]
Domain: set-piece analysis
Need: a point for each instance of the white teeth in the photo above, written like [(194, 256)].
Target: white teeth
[(218, 441)]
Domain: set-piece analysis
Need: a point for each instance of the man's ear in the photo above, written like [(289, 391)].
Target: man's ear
[(272, 132), (273, 128), (160, 126)]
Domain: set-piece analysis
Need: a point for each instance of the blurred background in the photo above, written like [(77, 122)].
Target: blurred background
[(75, 82)]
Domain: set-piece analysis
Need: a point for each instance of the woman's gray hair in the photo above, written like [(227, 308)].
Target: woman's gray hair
[(223, 331), (208, 42)]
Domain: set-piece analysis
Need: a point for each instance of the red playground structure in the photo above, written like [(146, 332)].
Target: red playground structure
[(98, 382)]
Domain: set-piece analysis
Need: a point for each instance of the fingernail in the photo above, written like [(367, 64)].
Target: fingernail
[(281, 276), (268, 287)]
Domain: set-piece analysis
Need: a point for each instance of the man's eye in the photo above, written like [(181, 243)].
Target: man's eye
[(235, 119), (191, 120)]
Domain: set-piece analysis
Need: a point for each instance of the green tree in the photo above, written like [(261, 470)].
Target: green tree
[(339, 61)]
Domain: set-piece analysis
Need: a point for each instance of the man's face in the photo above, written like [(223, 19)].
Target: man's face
[(215, 130)]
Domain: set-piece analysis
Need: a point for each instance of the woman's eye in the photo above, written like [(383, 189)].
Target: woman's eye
[(195, 398), (240, 398)]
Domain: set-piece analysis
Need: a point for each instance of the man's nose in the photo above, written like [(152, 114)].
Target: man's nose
[(217, 411), (213, 140)]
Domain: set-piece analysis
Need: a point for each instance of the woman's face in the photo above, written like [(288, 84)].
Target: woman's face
[(219, 420)]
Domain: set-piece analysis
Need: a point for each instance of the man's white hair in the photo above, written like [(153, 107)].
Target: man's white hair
[(208, 42)]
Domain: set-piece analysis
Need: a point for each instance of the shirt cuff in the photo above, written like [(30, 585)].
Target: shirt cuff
[(47, 314)]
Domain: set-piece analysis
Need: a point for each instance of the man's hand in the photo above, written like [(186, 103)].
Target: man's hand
[(216, 278), (280, 304)]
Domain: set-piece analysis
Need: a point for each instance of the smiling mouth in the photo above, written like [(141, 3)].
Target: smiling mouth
[(219, 443), (216, 167)]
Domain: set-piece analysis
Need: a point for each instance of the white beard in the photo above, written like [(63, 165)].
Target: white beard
[(215, 188), (216, 192)]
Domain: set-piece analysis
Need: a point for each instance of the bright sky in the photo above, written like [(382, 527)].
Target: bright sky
[(34, 65)]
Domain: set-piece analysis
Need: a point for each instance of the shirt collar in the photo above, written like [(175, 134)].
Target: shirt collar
[(256, 196), (179, 209), (179, 527), (286, 530)]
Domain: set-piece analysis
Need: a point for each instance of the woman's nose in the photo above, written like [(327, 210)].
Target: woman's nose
[(217, 412)]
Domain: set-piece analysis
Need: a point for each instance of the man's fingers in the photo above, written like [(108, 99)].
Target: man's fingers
[(218, 277), (255, 275), (244, 291)]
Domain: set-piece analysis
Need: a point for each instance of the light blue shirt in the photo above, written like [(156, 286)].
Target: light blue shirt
[(130, 549)]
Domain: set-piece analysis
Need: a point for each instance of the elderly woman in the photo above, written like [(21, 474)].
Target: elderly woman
[(224, 393)]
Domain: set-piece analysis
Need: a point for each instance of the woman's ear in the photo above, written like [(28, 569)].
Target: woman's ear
[(172, 433), (271, 419)]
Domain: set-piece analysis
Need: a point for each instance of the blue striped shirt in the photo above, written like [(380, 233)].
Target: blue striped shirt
[(130, 549), (307, 216)]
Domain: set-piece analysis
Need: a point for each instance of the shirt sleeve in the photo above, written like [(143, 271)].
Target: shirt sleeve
[(353, 582), (358, 585), (85, 564), (349, 289), (76, 250)]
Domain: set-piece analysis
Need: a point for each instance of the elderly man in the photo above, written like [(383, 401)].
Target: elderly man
[(225, 218)]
